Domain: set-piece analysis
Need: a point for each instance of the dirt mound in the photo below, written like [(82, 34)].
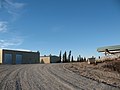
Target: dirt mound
[(112, 65)]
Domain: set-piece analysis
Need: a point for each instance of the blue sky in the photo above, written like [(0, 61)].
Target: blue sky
[(53, 25)]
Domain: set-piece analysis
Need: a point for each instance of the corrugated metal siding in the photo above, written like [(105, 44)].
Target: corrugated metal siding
[(8, 59), (18, 59)]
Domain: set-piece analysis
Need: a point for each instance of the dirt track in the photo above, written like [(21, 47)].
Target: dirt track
[(45, 77)]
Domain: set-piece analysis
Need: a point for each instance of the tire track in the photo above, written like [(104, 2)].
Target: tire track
[(10, 81), (53, 81), (46, 77), (60, 79)]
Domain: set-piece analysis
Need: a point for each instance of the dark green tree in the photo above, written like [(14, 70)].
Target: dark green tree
[(60, 56), (65, 56), (81, 59), (72, 60), (78, 59), (69, 56), (84, 59)]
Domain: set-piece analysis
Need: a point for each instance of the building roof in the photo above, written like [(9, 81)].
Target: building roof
[(20, 50), (110, 48), (49, 56)]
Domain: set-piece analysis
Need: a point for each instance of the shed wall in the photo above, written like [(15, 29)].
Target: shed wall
[(54, 59), (0, 56), (45, 59), (27, 57)]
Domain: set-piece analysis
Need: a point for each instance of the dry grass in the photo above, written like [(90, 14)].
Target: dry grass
[(107, 72), (113, 65)]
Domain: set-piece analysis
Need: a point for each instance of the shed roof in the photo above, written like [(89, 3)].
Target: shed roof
[(19, 50), (49, 56), (110, 48)]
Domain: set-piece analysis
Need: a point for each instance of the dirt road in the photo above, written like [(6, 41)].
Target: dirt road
[(45, 77)]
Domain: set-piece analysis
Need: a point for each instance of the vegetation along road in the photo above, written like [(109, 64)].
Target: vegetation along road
[(46, 77)]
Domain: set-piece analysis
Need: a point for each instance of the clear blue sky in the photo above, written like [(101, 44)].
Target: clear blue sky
[(53, 25)]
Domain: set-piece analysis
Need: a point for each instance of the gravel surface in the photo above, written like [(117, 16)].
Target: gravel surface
[(46, 77)]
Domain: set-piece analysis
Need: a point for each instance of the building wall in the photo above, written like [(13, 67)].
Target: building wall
[(31, 58), (54, 59), (0, 56), (27, 57), (49, 59), (45, 59)]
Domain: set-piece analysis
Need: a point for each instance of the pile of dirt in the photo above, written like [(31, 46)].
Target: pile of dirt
[(112, 65)]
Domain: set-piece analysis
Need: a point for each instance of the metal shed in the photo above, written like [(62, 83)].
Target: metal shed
[(18, 57)]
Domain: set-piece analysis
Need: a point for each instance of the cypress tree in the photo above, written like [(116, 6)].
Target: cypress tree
[(60, 56), (65, 56), (78, 59), (84, 59), (72, 60), (69, 56)]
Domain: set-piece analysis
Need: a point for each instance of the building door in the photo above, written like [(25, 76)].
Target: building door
[(18, 59), (8, 59)]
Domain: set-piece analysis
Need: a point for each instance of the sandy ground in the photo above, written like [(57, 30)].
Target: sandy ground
[(46, 77)]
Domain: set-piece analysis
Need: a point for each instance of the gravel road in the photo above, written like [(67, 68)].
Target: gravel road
[(45, 77)]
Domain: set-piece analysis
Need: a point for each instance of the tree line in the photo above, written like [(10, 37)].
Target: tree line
[(69, 58)]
